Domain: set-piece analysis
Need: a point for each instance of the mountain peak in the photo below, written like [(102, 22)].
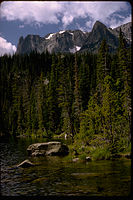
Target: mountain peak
[(21, 39), (98, 24)]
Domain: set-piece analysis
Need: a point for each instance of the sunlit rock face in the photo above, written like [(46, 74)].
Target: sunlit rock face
[(67, 41)]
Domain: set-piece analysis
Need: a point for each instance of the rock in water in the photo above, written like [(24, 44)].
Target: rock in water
[(25, 164), (48, 149), (75, 159), (88, 158)]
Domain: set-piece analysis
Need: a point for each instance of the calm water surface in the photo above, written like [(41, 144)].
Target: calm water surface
[(56, 176)]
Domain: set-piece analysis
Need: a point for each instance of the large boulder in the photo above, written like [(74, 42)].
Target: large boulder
[(48, 149)]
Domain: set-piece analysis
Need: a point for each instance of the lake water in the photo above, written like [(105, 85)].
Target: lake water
[(56, 176)]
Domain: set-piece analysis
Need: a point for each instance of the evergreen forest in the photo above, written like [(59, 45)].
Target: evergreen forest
[(84, 96)]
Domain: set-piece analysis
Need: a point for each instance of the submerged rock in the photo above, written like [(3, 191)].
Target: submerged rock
[(75, 159), (87, 159), (126, 155), (25, 164), (48, 149)]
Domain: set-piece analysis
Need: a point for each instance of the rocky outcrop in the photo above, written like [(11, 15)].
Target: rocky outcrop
[(25, 164), (48, 149)]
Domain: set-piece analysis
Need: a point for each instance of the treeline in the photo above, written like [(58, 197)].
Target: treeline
[(85, 96)]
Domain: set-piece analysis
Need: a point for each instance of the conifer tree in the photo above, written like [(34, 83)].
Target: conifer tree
[(40, 103), (53, 100), (33, 118), (64, 97), (90, 121), (20, 121), (125, 77), (102, 67), (84, 84), (77, 105)]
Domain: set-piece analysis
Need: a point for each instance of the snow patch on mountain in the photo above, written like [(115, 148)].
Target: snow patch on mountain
[(61, 32), (50, 36), (75, 49), (71, 33), (78, 48)]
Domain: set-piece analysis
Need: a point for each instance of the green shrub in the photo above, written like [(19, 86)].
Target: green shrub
[(68, 158), (83, 156), (100, 153)]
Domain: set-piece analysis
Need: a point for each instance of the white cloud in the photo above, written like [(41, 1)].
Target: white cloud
[(78, 26), (113, 23), (6, 47), (43, 12), (89, 24)]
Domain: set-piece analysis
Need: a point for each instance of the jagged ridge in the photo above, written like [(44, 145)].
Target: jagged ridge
[(77, 40)]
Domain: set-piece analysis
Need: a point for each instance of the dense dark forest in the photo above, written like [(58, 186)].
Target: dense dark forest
[(85, 96)]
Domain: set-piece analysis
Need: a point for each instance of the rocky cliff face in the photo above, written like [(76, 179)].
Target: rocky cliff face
[(30, 43), (126, 29), (63, 41), (98, 33), (72, 41)]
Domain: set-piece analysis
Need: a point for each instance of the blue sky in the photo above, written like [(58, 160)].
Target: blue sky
[(20, 18)]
